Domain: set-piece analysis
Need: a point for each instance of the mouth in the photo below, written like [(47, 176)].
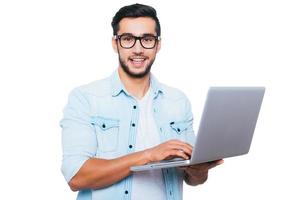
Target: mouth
[(137, 61)]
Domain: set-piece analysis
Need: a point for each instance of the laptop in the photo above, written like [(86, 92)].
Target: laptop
[(226, 128)]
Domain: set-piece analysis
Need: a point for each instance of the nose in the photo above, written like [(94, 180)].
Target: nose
[(137, 48)]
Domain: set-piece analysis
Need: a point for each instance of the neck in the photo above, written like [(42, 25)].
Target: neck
[(137, 87)]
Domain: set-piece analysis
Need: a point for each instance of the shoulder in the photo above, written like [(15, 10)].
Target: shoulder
[(173, 93), (99, 88)]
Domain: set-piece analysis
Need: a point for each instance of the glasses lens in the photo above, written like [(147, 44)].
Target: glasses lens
[(127, 41), (148, 42)]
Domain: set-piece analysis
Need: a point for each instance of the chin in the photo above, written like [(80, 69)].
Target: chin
[(138, 73), (137, 70)]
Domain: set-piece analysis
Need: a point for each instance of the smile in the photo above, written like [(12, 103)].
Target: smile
[(137, 61)]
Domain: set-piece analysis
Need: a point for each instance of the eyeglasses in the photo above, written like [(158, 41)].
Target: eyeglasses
[(127, 41)]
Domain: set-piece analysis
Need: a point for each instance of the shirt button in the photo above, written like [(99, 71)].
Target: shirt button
[(134, 107), (130, 146), (103, 126), (126, 192), (133, 124)]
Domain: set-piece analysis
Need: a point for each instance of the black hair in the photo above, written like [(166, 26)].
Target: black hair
[(134, 11)]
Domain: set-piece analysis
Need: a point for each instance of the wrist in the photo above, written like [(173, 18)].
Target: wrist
[(142, 157), (146, 156)]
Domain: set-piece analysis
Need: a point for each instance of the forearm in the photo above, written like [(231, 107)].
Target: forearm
[(98, 173)]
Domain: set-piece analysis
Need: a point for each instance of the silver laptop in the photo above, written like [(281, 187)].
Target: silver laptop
[(226, 128)]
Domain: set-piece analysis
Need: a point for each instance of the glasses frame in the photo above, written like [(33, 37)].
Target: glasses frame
[(118, 37)]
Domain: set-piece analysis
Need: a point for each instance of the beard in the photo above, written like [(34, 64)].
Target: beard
[(135, 75)]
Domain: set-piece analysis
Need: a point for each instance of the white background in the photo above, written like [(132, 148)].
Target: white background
[(49, 47)]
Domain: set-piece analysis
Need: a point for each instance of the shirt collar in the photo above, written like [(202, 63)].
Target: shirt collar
[(118, 87)]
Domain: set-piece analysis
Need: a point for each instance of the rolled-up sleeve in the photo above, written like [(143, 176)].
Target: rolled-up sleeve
[(79, 142)]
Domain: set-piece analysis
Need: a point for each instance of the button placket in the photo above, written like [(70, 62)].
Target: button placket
[(133, 127), (130, 145)]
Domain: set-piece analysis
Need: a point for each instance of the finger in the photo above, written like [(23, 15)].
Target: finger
[(219, 162), (179, 153), (180, 147), (215, 163), (179, 142), (169, 157), (188, 146)]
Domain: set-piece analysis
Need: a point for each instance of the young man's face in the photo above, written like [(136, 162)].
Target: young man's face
[(136, 61)]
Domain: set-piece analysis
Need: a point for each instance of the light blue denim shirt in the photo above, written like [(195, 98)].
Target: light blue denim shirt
[(100, 121)]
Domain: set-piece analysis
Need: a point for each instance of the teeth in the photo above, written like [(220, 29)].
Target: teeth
[(138, 59)]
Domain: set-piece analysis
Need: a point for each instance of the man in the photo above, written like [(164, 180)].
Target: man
[(129, 119)]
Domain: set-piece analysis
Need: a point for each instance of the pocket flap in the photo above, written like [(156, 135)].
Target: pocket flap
[(104, 123), (179, 126)]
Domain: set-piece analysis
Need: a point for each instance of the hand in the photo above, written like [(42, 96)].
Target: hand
[(169, 150), (197, 174)]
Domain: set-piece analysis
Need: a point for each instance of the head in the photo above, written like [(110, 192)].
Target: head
[(136, 39)]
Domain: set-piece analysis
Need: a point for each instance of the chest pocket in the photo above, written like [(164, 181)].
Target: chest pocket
[(179, 127), (107, 131)]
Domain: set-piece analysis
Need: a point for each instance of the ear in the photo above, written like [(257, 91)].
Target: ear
[(114, 44), (158, 46)]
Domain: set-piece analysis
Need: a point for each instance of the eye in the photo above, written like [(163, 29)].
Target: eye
[(127, 38), (148, 39)]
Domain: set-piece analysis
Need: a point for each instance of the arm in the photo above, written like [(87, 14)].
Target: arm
[(98, 173)]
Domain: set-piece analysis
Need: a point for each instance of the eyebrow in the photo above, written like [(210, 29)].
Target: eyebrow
[(144, 34)]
